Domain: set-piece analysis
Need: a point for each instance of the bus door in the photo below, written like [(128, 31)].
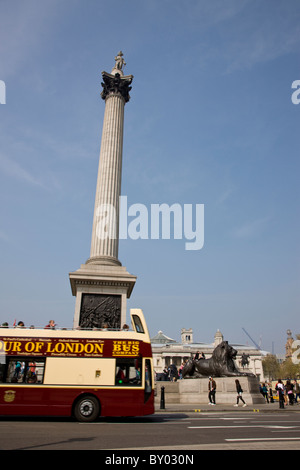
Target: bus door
[(148, 380)]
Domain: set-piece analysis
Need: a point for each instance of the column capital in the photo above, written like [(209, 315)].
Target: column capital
[(116, 84)]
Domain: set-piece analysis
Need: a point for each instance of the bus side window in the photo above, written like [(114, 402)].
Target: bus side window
[(138, 324), (2, 368), (128, 372), (25, 370)]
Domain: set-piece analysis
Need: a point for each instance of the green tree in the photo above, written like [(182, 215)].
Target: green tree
[(271, 367), (289, 370)]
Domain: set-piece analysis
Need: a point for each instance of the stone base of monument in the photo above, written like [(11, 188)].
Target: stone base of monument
[(195, 391), (101, 293)]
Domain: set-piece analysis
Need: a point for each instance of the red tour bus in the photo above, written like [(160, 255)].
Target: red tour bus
[(80, 373)]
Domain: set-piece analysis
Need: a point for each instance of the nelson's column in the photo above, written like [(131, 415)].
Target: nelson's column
[(102, 285)]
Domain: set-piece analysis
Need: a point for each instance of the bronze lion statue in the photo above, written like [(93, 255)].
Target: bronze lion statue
[(220, 364)]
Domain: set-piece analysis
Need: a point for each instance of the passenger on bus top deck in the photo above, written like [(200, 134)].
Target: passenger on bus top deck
[(51, 325)]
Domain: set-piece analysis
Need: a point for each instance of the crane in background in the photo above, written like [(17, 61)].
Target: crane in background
[(255, 344)]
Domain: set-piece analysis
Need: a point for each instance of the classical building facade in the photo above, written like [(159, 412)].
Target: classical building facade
[(167, 351)]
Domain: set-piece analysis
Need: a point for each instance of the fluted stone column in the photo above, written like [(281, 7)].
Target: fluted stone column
[(102, 284), (105, 239)]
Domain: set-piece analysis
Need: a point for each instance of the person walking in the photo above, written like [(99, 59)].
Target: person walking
[(271, 394), (180, 370), (173, 373), (289, 390), (212, 386), (239, 391), (285, 397), (297, 391), (280, 390), (265, 392)]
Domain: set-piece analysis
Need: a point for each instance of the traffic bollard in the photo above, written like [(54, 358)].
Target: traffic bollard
[(162, 398)]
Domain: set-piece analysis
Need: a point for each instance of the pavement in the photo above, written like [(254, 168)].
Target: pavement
[(225, 408)]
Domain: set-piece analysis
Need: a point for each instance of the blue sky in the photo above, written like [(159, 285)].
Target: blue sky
[(210, 121)]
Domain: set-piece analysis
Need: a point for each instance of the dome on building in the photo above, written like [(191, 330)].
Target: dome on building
[(160, 338)]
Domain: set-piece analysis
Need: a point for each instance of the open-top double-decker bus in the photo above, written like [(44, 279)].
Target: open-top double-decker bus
[(80, 373)]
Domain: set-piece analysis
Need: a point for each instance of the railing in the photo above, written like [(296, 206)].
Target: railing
[(32, 327)]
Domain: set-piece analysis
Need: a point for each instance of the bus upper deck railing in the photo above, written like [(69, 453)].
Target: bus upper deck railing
[(56, 328)]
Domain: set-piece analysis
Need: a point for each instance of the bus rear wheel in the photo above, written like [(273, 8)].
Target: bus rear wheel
[(87, 409)]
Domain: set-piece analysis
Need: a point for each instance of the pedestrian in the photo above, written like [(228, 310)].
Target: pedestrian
[(271, 394), (285, 397), (197, 355), (261, 389), (180, 370), (239, 391), (165, 374), (297, 391), (280, 390), (289, 390), (265, 392), (173, 373), (212, 386)]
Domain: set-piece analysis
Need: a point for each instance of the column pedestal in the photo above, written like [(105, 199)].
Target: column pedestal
[(101, 295)]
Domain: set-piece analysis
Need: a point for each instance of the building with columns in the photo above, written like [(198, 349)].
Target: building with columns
[(168, 351)]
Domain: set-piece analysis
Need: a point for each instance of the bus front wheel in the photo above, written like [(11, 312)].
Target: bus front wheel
[(87, 409)]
